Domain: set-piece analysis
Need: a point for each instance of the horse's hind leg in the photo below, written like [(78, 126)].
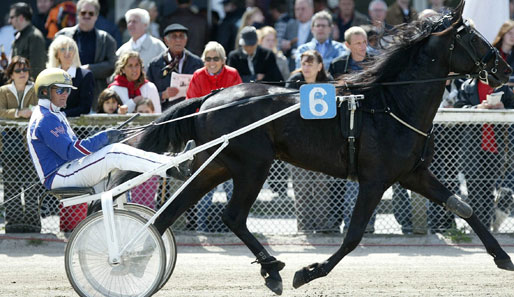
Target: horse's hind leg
[(367, 200), (247, 185), (425, 183)]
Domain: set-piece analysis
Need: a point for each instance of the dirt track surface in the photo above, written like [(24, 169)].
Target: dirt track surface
[(382, 266)]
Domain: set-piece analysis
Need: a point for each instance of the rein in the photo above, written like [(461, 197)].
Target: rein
[(392, 83), (139, 129), (408, 82)]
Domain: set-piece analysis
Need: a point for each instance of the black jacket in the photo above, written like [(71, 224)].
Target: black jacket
[(339, 65), (161, 78), (30, 43), (263, 62), (297, 80), (227, 29), (80, 100)]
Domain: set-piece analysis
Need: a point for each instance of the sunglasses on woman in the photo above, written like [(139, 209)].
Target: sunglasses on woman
[(20, 70), (62, 90), (90, 13), (215, 59)]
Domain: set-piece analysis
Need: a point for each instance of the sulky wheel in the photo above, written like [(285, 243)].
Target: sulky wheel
[(140, 268), (168, 239)]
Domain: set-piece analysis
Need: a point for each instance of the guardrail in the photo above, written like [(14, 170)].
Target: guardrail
[(485, 178)]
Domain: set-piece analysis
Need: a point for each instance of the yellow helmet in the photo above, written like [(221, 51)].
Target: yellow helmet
[(52, 77)]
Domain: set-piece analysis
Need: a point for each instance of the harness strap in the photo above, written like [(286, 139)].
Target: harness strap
[(405, 123), (352, 106), (388, 111), (425, 148)]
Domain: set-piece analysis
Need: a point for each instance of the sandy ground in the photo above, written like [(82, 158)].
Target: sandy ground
[(382, 266)]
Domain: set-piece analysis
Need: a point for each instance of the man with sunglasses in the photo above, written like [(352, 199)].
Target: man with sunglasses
[(61, 159), (97, 48), (29, 42)]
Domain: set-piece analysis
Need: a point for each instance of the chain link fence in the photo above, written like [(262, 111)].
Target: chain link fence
[(474, 158)]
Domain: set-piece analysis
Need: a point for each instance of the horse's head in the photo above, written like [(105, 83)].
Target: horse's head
[(471, 53)]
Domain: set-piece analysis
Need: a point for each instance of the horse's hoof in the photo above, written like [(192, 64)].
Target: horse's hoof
[(274, 285), (270, 272), (299, 279), (504, 264), (309, 273)]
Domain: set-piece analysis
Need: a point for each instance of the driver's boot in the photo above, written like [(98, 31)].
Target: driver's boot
[(183, 171)]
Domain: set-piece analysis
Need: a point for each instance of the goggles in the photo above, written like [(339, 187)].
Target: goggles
[(62, 90)]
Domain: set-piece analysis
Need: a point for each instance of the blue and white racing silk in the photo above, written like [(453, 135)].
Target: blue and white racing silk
[(52, 142)]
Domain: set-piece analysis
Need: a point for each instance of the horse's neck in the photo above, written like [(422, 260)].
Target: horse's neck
[(418, 102)]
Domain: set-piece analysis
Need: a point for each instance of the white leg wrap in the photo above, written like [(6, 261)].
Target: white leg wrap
[(458, 207)]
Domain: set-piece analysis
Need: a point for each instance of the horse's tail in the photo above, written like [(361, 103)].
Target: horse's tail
[(168, 131)]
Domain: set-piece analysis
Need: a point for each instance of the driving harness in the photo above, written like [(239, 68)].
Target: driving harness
[(350, 111)]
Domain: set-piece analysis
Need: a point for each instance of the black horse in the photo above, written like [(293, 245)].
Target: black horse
[(387, 150)]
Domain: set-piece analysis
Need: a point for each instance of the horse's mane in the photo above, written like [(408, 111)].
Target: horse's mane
[(403, 44)]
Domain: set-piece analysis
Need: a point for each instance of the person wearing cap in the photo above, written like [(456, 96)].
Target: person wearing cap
[(321, 28), (61, 158), (253, 62), (146, 45), (176, 58), (97, 48)]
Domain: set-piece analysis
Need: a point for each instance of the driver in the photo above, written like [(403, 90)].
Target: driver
[(61, 158)]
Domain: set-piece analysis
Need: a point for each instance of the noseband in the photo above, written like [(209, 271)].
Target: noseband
[(464, 36)]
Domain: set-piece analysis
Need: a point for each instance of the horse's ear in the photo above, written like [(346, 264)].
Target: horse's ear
[(457, 12)]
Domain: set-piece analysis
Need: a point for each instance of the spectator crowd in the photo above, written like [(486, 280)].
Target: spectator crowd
[(155, 61)]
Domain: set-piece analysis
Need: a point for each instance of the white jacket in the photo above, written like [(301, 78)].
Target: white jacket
[(148, 90)]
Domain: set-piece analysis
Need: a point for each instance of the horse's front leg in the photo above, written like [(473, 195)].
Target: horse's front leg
[(425, 183), (369, 196), (247, 186)]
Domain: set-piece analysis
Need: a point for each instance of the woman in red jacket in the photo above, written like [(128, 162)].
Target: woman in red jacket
[(214, 75)]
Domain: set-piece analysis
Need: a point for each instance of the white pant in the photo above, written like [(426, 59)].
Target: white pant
[(92, 169)]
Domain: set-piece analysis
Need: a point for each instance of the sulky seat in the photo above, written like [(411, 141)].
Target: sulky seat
[(63, 193)]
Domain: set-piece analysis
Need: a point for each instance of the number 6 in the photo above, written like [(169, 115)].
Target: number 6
[(315, 102)]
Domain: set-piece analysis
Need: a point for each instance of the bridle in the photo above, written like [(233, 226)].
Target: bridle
[(464, 36)]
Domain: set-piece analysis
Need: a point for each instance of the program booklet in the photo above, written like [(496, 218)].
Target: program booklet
[(181, 82)]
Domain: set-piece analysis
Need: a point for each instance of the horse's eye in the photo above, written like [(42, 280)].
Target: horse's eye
[(474, 39)]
